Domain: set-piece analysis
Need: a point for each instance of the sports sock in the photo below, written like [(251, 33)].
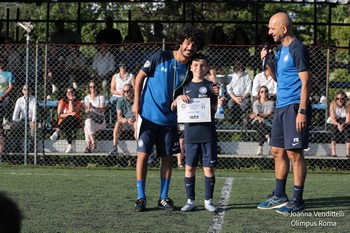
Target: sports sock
[(141, 184), (298, 192), (280, 187), (164, 187), (190, 183), (209, 183)]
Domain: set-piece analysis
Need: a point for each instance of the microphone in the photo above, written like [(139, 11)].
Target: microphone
[(265, 59)]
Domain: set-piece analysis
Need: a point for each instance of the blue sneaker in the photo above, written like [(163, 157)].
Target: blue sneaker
[(273, 202), (294, 205)]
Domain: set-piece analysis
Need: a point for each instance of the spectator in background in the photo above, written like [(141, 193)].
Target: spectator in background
[(68, 112), (75, 66), (217, 53), (337, 122), (103, 65), (94, 104), (19, 113), (2, 34), (6, 86), (64, 36), (134, 34), (264, 79), (263, 37), (13, 57), (218, 36), (56, 76), (158, 35), (109, 35), (263, 110), (118, 82), (10, 215), (241, 41), (239, 89), (125, 116)]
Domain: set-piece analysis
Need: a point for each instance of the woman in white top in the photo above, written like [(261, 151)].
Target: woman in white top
[(20, 112), (337, 110), (94, 105), (118, 82)]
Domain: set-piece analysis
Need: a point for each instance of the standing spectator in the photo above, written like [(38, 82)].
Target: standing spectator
[(218, 36), (6, 86), (159, 123), (239, 90), (125, 116), (68, 112), (264, 79), (56, 75), (200, 137), (103, 64), (19, 113), (118, 82), (109, 35), (2, 34), (134, 34), (241, 50), (94, 104), (337, 120), (64, 36), (291, 120), (263, 109)]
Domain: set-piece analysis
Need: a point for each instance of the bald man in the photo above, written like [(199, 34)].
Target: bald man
[(290, 128)]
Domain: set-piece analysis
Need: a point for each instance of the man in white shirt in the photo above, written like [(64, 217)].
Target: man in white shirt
[(264, 79), (239, 89), (20, 112)]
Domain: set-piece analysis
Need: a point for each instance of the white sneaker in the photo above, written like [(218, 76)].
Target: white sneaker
[(190, 205), (260, 151), (54, 88), (69, 149), (208, 204), (54, 136)]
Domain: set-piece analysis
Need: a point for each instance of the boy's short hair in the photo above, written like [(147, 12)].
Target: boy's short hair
[(199, 56)]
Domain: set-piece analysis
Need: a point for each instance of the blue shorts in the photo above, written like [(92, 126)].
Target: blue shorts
[(166, 139), (207, 152), (284, 133)]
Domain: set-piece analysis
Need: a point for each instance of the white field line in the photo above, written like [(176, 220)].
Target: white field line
[(218, 218)]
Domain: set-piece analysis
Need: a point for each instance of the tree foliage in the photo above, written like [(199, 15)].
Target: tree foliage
[(207, 15)]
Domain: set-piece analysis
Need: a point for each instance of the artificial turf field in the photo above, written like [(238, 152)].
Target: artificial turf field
[(101, 200)]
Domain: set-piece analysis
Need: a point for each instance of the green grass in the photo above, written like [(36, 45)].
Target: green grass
[(101, 200)]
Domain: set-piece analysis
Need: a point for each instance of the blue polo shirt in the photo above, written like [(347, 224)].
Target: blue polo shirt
[(290, 60), (164, 76)]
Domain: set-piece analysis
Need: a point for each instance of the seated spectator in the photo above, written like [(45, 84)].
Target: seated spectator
[(6, 86), (264, 79), (75, 66), (118, 82), (103, 64), (337, 121), (68, 112), (94, 104), (263, 109), (125, 116), (18, 118), (239, 90)]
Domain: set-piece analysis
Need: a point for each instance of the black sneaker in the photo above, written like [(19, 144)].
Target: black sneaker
[(166, 204), (140, 205), (114, 151)]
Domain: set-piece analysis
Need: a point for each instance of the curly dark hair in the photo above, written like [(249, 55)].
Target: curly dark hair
[(192, 33)]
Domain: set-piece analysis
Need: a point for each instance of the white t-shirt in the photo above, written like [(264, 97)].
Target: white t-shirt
[(20, 109), (119, 82), (100, 99)]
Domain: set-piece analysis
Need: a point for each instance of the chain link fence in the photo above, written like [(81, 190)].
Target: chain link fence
[(52, 68)]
